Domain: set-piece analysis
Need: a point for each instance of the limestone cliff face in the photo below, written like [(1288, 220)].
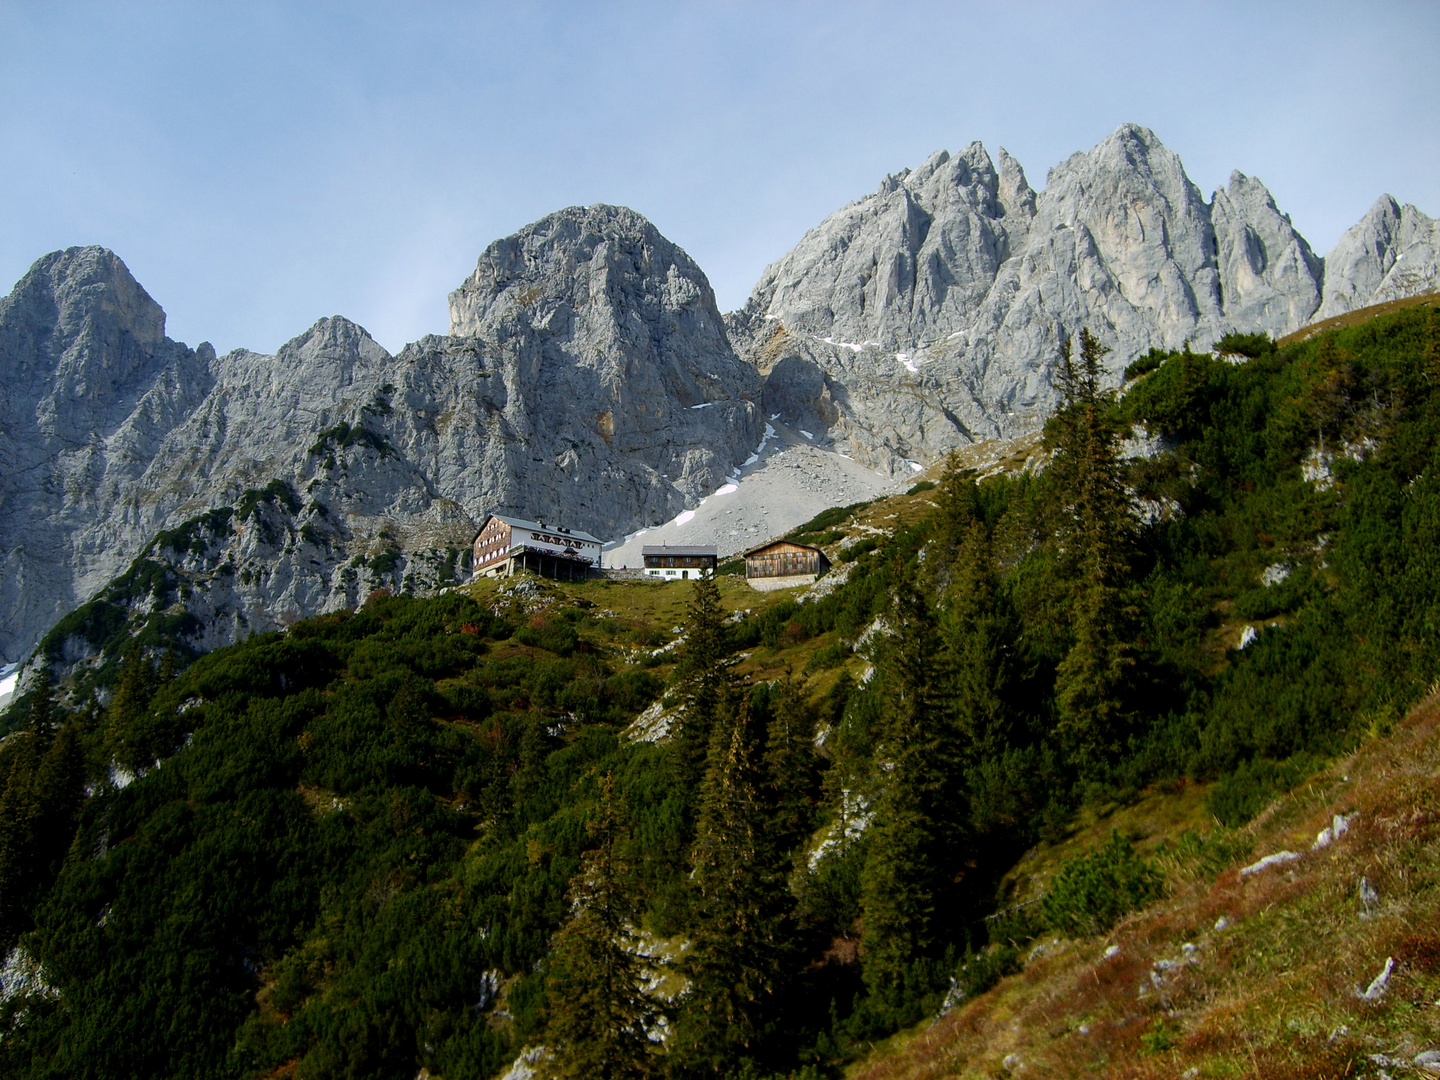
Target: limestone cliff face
[(588, 377), (930, 313), (588, 380), (1392, 252)]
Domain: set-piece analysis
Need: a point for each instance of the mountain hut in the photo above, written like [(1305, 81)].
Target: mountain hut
[(783, 564), (505, 545)]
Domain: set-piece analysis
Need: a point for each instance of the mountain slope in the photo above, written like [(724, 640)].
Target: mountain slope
[(930, 313), (1323, 963), (594, 385)]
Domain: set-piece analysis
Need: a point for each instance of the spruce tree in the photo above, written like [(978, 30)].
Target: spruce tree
[(705, 676), (59, 793), (19, 815), (791, 763), (1432, 347), (1095, 541), (957, 502), (740, 935), (908, 842), (127, 724), (977, 629), (599, 1011)]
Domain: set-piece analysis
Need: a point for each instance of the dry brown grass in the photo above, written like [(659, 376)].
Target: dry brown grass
[(1275, 994), (1354, 318)]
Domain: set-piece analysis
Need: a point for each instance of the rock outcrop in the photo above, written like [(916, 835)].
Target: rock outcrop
[(930, 313), (587, 379), (1392, 252)]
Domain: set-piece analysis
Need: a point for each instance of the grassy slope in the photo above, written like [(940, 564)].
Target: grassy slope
[(1356, 317), (1274, 993)]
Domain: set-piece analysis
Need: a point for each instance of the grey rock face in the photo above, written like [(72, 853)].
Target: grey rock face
[(603, 345), (589, 381), (1392, 252), (1269, 277), (930, 313)]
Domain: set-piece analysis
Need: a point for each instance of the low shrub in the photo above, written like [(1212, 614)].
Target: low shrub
[(1092, 891)]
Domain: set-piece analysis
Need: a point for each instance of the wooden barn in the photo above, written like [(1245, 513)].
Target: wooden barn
[(679, 562), (505, 545), (783, 564)]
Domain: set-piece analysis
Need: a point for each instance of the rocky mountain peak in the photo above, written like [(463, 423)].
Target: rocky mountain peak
[(1392, 251), (91, 286), (575, 263), (931, 312), (69, 309), (1016, 194)]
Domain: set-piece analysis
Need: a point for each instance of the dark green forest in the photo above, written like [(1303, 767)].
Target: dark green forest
[(416, 835)]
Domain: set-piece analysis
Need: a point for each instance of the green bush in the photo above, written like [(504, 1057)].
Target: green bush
[(827, 657), (1242, 794), (1145, 364), (861, 547), (1091, 892)]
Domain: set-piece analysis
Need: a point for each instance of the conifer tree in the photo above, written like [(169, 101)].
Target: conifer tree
[(705, 674), (791, 763), (977, 629), (59, 792), (740, 935), (1096, 546), (126, 720), (599, 1011), (911, 833), (957, 505), (1432, 347), (19, 814)]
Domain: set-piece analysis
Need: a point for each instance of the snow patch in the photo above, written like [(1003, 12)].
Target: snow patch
[(852, 346), (769, 434), (806, 434), (915, 465), (703, 405), (910, 364), (684, 517), (726, 490)]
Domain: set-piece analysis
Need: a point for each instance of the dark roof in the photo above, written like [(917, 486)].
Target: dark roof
[(682, 549), (782, 540), (538, 526)]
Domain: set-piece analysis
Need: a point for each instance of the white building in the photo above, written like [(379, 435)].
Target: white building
[(686, 561), (505, 545)]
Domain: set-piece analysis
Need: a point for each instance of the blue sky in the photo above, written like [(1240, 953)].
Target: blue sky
[(259, 166)]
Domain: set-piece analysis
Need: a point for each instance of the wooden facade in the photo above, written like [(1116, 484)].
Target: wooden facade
[(680, 562), (505, 545), (782, 563)]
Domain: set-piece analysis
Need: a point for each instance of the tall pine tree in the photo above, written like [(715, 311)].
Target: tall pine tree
[(599, 1010), (1096, 541), (909, 842), (977, 629), (792, 764), (740, 935), (705, 677)]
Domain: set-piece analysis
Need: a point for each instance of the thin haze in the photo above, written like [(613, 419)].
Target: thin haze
[(259, 166)]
